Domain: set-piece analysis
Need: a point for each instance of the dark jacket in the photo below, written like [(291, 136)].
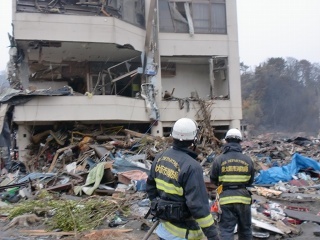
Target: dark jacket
[(235, 171), (175, 175)]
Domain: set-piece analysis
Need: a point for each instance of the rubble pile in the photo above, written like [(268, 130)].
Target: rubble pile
[(91, 180), (286, 189)]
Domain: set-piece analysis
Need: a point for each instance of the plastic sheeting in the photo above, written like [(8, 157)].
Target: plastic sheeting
[(122, 165), (286, 173), (94, 177)]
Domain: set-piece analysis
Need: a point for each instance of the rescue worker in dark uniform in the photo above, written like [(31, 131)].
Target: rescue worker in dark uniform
[(234, 171), (177, 190)]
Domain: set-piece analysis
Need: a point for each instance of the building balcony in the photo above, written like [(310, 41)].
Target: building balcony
[(112, 109)]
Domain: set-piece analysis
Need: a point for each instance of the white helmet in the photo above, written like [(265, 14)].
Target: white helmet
[(234, 133), (185, 129)]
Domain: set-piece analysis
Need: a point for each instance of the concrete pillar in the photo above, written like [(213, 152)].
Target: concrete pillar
[(23, 140), (235, 124), (157, 129), (24, 74)]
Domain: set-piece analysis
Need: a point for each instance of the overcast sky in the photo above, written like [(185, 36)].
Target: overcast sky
[(5, 27), (267, 28), (278, 28)]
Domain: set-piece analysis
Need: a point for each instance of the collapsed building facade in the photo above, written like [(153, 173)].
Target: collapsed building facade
[(138, 62)]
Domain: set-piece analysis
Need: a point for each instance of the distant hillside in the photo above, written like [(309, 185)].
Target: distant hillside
[(282, 95)]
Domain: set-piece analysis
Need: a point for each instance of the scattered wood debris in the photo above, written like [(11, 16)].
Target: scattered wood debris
[(80, 179)]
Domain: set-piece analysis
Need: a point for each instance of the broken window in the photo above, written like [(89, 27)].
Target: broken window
[(172, 17), (168, 69), (124, 78), (220, 84), (100, 84), (131, 11), (113, 3), (198, 16)]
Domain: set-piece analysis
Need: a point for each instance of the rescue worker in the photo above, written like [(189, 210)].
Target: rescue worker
[(234, 171), (177, 190)]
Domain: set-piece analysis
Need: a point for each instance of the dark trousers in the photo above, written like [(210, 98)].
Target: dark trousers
[(233, 214)]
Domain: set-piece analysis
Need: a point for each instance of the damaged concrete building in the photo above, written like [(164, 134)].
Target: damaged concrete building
[(142, 62)]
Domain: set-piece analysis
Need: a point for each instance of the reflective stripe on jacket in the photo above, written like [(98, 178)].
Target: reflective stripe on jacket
[(175, 175), (233, 169)]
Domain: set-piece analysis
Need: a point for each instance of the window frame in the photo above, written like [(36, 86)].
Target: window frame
[(211, 28)]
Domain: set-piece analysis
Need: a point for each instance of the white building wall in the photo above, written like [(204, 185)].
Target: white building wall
[(234, 64), (58, 27), (110, 108), (81, 108), (183, 44), (189, 78)]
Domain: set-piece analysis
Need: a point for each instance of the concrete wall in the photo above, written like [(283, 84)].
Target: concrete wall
[(222, 110), (81, 108), (234, 62), (189, 78), (58, 27), (111, 108)]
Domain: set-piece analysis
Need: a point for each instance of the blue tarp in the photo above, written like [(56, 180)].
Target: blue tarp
[(285, 173)]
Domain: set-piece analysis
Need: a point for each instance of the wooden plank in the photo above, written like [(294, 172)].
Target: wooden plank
[(41, 232), (266, 226), (304, 216), (138, 135), (55, 158)]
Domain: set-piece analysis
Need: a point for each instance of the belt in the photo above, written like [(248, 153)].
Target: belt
[(234, 187)]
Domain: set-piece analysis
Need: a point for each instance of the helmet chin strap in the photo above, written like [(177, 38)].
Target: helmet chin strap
[(195, 143), (194, 147)]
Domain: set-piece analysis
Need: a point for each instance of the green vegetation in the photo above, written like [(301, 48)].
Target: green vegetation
[(69, 215)]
